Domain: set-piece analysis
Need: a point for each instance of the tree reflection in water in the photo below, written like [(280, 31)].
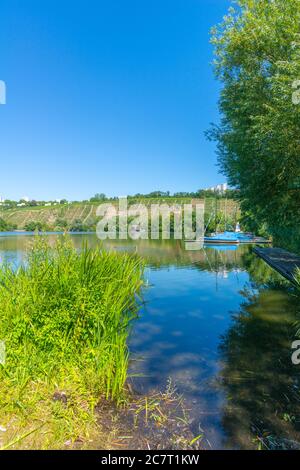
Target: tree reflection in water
[(261, 384)]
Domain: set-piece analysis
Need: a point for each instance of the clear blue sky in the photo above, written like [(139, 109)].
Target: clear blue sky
[(107, 96)]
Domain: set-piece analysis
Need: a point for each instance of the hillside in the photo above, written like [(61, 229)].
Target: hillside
[(50, 215), (84, 214)]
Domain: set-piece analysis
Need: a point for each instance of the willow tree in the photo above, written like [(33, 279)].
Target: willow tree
[(257, 59)]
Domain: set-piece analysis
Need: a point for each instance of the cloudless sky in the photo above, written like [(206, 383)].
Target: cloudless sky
[(107, 96)]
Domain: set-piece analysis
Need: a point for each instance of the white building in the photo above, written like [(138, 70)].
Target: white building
[(219, 188)]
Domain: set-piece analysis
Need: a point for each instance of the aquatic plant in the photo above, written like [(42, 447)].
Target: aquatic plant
[(65, 319)]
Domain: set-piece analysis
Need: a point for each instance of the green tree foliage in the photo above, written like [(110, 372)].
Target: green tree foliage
[(5, 226), (98, 197), (32, 226), (61, 223), (78, 226), (257, 49)]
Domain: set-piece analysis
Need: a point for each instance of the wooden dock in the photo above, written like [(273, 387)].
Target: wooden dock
[(282, 261)]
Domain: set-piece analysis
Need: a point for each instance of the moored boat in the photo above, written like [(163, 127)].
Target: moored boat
[(234, 238), (223, 237)]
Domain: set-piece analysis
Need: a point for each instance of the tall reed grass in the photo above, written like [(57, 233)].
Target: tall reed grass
[(65, 317)]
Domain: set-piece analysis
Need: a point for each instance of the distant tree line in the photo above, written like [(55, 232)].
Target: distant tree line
[(60, 225), (200, 193), (9, 204)]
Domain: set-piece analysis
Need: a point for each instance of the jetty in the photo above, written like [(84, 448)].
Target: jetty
[(281, 260)]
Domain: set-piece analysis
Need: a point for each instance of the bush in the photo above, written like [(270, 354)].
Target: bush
[(5, 226), (61, 223), (33, 226), (65, 319), (78, 226)]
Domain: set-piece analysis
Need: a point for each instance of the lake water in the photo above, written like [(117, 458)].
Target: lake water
[(219, 323)]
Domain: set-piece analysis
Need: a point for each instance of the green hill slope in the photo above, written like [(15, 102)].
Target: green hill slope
[(84, 214), (50, 215)]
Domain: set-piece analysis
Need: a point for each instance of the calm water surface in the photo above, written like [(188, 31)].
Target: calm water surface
[(219, 323)]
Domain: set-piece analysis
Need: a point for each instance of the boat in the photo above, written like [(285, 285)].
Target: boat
[(233, 238)]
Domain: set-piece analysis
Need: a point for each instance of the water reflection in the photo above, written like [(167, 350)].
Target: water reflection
[(220, 323), (261, 384)]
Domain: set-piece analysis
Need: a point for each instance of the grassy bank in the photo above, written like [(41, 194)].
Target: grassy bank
[(65, 319)]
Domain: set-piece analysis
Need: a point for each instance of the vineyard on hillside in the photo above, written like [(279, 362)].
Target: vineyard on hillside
[(216, 210)]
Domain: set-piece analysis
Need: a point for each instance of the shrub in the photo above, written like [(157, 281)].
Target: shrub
[(32, 226), (61, 223), (65, 319), (5, 226)]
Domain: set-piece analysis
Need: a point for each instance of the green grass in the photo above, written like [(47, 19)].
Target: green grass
[(65, 319)]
